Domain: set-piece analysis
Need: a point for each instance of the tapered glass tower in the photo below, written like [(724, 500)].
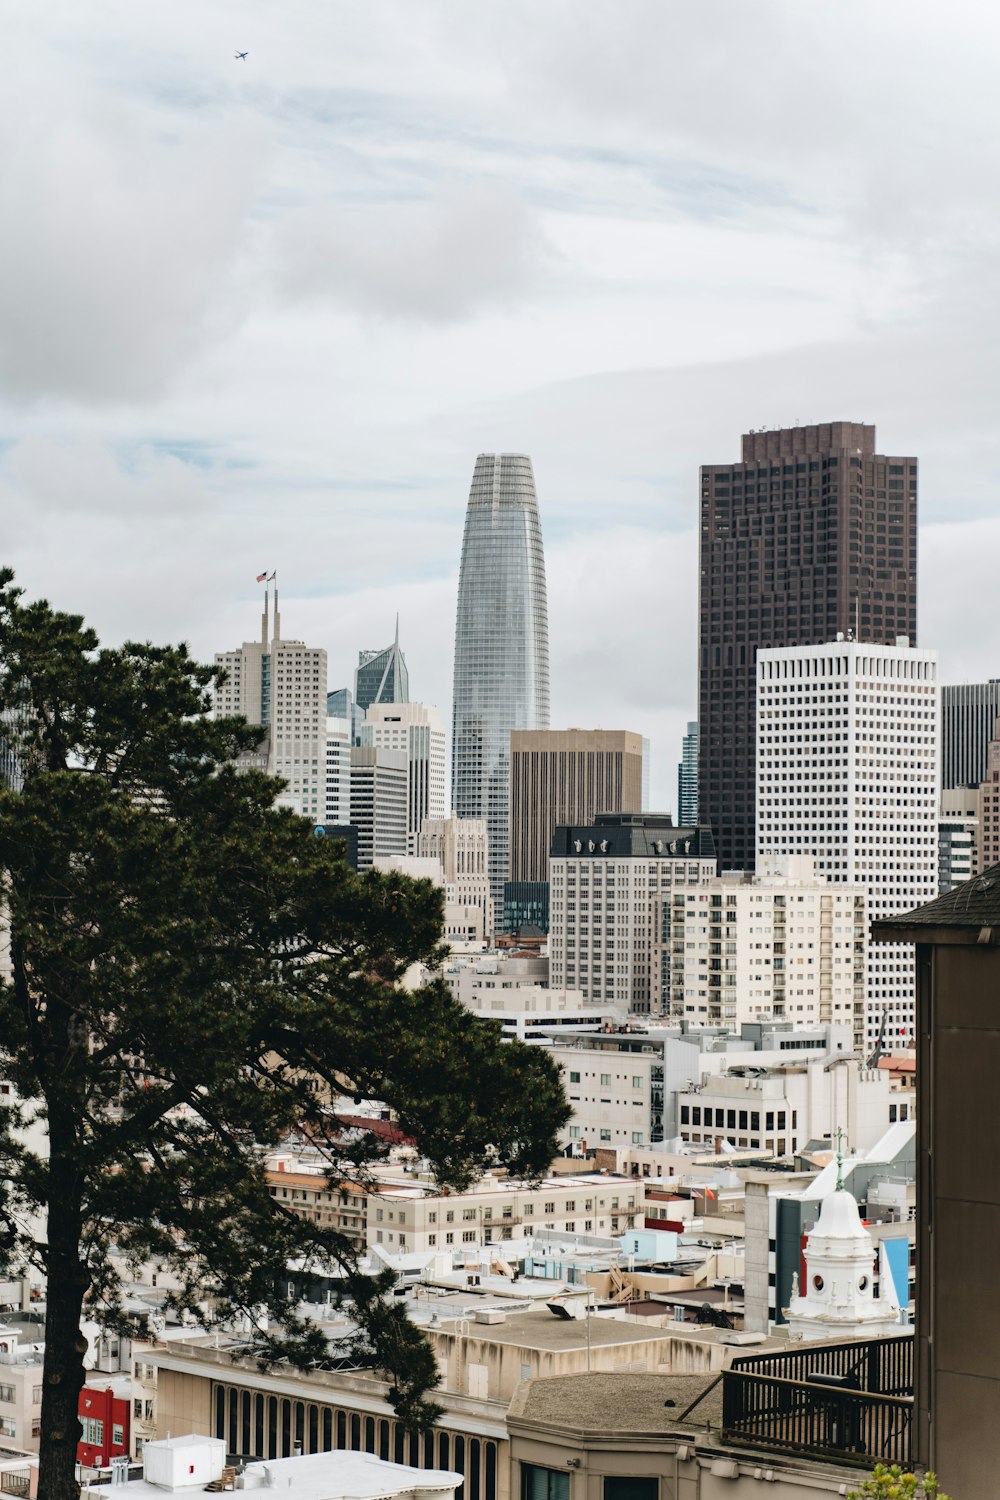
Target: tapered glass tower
[(501, 645)]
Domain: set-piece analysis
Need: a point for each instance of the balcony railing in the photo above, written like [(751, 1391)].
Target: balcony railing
[(853, 1402)]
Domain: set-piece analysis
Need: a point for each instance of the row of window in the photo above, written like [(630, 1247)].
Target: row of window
[(255, 1425)]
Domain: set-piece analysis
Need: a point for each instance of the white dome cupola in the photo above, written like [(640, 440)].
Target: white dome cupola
[(838, 1298)]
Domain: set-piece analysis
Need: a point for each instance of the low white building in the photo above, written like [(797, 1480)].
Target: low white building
[(781, 1109), (616, 1097)]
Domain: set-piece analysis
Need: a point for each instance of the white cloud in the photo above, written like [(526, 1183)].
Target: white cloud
[(122, 233), (267, 313), (431, 261)]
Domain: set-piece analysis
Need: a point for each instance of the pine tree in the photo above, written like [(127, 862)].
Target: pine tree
[(193, 976)]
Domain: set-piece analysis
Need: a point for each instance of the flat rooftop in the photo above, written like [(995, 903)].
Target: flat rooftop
[(616, 1402), (541, 1329)]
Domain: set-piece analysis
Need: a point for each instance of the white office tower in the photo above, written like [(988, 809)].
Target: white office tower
[(378, 802), (462, 847), (416, 730), (847, 771), (780, 944), (281, 686), (339, 739)]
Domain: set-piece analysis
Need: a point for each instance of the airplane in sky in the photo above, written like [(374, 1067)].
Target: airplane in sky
[(240, 56)]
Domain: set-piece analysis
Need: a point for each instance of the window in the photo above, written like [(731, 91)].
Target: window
[(637, 1080), (605, 1080), (543, 1484), (7, 1393), (118, 1434), (574, 1078), (630, 1487)]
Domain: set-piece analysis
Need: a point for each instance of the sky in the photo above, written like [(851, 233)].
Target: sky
[(263, 313)]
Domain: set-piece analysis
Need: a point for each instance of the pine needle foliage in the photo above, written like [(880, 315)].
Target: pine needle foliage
[(187, 964)]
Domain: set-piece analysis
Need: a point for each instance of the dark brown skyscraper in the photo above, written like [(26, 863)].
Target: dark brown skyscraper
[(811, 534)]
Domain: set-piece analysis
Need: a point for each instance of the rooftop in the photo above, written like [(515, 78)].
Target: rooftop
[(974, 904), (617, 1402)]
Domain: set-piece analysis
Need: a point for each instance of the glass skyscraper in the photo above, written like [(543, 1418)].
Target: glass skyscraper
[(501, 645), (687, 779), (382, 676)]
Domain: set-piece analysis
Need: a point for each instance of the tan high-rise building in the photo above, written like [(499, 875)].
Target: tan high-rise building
[(280, 685), (462, 846), (566, 776)]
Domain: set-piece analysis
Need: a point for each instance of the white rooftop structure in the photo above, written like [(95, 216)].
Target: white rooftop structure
[(189, 1464), (838, 1298), (345, 1475)]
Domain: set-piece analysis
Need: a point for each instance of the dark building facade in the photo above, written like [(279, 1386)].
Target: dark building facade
[(957, 1392), (811, 534), (969, 712), (525, 904)]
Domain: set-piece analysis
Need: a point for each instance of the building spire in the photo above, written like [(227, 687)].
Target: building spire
[(263, 620), (277, 617), (840, 1161)]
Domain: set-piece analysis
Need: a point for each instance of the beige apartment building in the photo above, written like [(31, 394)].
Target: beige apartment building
[(778, 945), (407, 1218), (563, 776), (340, 1206)]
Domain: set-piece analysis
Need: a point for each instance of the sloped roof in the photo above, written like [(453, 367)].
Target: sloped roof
[(975, 903)]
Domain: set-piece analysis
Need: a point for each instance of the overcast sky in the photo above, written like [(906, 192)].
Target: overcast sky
[(264, 313)]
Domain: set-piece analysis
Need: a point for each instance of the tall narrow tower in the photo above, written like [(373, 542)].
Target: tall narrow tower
[(501, 645)]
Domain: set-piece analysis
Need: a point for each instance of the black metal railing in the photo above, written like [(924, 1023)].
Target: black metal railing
[(850, 1401), (881, 1365)]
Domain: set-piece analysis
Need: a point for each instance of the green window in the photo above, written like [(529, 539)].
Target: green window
[(543, 1484)]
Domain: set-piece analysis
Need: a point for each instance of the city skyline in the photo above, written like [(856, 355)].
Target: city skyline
[(660, 275)]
